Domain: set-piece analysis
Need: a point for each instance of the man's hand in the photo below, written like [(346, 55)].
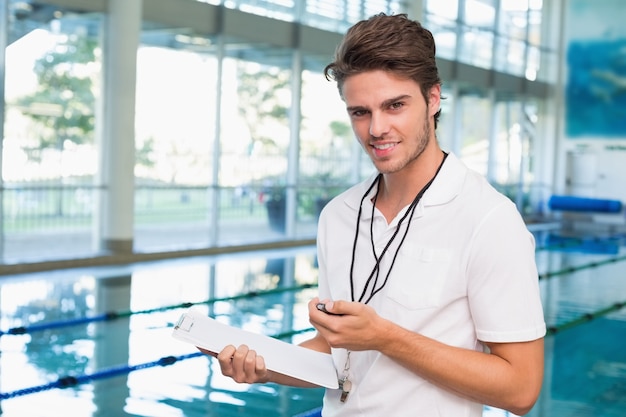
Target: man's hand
[(347, 324), (242, 364)]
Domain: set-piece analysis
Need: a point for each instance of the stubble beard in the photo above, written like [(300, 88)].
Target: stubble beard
[(423, 137)]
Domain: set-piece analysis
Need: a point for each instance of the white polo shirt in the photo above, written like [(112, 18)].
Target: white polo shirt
[(465, 273)]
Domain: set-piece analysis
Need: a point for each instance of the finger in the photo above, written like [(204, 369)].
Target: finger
[(313, 303), (318, 304), (263, 374), (239, 363), (322, 321), (226, 354), (225, 358), (328, 307), (260, 365), (250, 366), (343, 307)]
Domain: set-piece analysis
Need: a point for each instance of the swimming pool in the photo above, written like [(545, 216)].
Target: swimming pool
[(97, 341)]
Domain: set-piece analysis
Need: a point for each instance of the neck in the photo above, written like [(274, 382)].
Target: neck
[(397, 190)]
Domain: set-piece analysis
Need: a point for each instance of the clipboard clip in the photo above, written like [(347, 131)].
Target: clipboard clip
[(185, 322)]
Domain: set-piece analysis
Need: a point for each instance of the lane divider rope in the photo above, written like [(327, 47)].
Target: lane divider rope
[(71, 381)]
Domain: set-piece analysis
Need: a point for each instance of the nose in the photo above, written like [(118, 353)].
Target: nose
[(379, 125)]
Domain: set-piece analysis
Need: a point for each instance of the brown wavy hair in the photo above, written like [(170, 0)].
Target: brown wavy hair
[(391, 43)]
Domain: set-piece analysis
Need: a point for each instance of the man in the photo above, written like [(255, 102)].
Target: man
[(429, 273)]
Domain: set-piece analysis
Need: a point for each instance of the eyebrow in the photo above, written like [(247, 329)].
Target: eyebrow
[(383, 105)]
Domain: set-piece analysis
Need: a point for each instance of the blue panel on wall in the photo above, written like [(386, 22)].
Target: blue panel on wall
[(596, 89)]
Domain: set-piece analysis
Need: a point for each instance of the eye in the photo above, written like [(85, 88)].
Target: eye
[(396, 106), (358, 113)]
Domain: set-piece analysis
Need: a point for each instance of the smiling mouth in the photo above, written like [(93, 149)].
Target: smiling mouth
[(384, 146)]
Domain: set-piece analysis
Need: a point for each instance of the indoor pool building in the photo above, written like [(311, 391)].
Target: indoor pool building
[(161, 155)]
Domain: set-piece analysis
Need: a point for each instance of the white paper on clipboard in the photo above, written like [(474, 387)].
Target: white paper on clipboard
[(197, 328)]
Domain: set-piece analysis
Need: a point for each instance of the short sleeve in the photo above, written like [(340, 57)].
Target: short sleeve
[(503, 284)]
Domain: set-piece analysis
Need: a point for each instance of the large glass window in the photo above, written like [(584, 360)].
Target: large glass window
[(501, 34), (480, 13), (519, 38), (514, 142), (535, 41), (49, 159), (223, 152), (477, 48), (326, 145), (175, 130), (441, 19), (512, 40), (446, 9), (476, 113), (255, 140), (478, 20), (510, 55)]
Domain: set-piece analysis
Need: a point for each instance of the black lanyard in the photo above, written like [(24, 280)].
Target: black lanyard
[(375, 273)]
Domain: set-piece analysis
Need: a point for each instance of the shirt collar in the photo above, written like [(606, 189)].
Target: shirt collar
[(444, 188), (448, 183)]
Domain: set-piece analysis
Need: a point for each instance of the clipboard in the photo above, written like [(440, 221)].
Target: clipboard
[(197, 328)]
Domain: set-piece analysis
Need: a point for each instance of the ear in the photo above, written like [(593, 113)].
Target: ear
[(434, 99)]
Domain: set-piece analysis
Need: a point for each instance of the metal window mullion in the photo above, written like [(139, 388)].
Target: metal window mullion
[(214, 189), (4, 30)]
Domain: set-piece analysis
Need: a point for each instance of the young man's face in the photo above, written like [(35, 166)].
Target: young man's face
[(390, 117)]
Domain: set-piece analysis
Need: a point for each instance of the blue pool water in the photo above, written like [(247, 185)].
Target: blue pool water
[(129, 365)]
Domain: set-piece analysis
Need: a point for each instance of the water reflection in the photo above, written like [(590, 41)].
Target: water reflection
[(139, 332), (112, 295), (50, 351), (265, 293)]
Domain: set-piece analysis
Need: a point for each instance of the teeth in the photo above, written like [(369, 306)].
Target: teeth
[(385, 146)]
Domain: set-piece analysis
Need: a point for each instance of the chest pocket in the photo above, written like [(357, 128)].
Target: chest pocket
[(419, 277)]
